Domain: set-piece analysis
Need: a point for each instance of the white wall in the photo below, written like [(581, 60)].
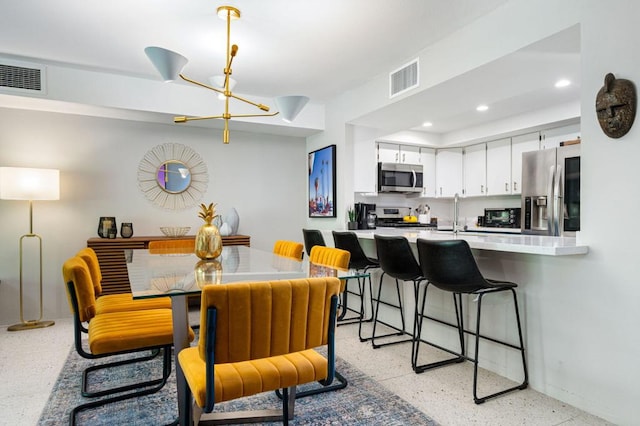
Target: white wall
[(262, 176)]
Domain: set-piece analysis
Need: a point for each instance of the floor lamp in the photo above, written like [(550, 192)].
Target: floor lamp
[(19, 183)]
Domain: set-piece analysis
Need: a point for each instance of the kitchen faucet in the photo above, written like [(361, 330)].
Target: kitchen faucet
[(455, 213)]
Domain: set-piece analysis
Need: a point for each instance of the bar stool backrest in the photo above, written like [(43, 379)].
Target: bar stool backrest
[(349, 241), (312, 237), (396, 258), (450, 266)]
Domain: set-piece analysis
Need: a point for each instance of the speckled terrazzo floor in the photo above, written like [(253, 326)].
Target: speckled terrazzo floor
[(30, 362)]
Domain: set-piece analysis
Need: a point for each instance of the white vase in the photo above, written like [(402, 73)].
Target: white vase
[(233, 220)]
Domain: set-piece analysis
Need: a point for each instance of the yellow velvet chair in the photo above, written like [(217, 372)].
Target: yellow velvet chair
[(172, 246), (260, 336), (288, 248), (115, 333), (116, 302)]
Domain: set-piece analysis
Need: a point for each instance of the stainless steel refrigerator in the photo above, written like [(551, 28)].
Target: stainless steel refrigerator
[(551, 191)]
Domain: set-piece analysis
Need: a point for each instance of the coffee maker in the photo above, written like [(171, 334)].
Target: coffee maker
[(363, 211)]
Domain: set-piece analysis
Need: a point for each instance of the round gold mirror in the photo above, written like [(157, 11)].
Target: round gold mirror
[(173, 176)]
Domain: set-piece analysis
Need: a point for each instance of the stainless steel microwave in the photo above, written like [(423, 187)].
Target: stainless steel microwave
[(399, 177)]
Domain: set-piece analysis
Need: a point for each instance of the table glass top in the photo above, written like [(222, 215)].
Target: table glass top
[(172, 274)]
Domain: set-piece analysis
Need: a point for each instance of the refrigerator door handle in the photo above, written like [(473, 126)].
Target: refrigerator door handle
[(550, 200), (557, 200)]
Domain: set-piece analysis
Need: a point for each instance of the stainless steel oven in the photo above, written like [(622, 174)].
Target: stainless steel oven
[(398, 177)]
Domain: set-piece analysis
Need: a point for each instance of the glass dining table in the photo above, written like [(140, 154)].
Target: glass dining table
[(167, 273)]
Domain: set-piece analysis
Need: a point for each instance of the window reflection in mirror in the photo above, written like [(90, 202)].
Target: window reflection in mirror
[(173, 176)]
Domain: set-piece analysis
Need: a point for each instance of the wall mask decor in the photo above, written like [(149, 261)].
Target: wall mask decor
[(173, 176), (616, 106)]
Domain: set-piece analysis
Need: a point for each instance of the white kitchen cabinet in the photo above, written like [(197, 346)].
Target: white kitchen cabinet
[(551, 138), (474, 170), (519, 145), (428, 161), (410, 154), (396, 153), (388, 152), (448, 172), (365, 167), (499, 167)]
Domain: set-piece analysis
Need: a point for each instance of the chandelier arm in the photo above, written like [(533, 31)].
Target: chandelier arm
[(197, 83), (261, 106), (185, 119), (254, 115)]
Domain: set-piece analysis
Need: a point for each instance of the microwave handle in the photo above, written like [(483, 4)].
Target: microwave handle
[(415, 179)]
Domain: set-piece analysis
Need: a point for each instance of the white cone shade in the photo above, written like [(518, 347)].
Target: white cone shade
[(290, 106), (20, 183), (168, 63)]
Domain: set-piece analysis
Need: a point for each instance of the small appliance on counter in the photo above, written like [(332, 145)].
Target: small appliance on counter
[(500, 218), (365, 215), (399, 217)]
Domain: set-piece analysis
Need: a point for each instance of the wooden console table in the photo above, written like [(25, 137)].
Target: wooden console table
[(113, 265)]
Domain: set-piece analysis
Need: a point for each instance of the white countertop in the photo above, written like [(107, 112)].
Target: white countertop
[(529, 244)]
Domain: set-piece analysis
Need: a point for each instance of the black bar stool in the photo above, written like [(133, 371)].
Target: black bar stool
[(348, 241), (312, 237), (397, 261), (450, 266)]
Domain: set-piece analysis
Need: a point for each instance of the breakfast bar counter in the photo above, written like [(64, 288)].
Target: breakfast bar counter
[(512, 243)]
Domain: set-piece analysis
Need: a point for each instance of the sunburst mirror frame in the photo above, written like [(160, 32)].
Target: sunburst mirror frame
[(148, 176)]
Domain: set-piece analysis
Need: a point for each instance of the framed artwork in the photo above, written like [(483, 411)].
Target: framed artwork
[(322, 182)]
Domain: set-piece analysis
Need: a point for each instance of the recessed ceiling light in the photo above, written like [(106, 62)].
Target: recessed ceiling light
[(482, 108), (427, 124), (562, 83)]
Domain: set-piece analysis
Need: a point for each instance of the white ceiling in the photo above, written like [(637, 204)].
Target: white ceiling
[(318, 48)]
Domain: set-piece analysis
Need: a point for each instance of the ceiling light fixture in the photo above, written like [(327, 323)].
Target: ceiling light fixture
[(562, 83), (427, 124), (482, 108), (170, 64)]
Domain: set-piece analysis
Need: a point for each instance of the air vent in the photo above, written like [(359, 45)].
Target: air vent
[(21, 77), (403, 79)]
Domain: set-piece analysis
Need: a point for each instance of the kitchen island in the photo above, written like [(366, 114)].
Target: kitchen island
[(546, 270)]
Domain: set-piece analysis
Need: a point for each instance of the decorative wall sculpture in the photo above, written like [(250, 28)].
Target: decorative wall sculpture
[(616, 106)]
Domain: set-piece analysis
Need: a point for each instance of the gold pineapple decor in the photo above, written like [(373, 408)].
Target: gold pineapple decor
[(208, 240)]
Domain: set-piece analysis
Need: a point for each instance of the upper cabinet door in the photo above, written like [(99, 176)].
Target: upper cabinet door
[(448, 172), (475, 170), (428, 161), (499, 167), (388, 152), (519, 145), (365, 167), (410, 154), (551, 138)]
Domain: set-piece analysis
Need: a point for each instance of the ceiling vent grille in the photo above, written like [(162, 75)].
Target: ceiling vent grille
[(21, 77), (404, 78)]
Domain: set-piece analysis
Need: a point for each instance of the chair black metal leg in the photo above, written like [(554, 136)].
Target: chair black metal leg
[(398, 331), (459, 357), (339, 383), (159, 384), (88, 370), (525, 383)]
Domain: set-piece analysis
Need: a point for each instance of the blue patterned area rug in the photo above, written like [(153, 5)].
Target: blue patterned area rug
[(362, 402)]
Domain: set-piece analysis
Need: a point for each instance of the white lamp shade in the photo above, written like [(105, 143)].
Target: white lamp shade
[(168, 63), (20, 183), (290, 106)]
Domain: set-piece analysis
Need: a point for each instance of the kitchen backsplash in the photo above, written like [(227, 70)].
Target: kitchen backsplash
[(442, 208)]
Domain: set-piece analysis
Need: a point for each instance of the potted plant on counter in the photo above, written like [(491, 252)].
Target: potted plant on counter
[(351, 224)]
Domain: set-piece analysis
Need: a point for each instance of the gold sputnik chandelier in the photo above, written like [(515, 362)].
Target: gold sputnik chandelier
[(170, 64)]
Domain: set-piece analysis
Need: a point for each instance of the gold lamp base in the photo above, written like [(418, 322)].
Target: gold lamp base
[(30, 325)]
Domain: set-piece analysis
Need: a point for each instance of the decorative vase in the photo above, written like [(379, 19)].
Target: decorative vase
[(126, 230), (208, 244)]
